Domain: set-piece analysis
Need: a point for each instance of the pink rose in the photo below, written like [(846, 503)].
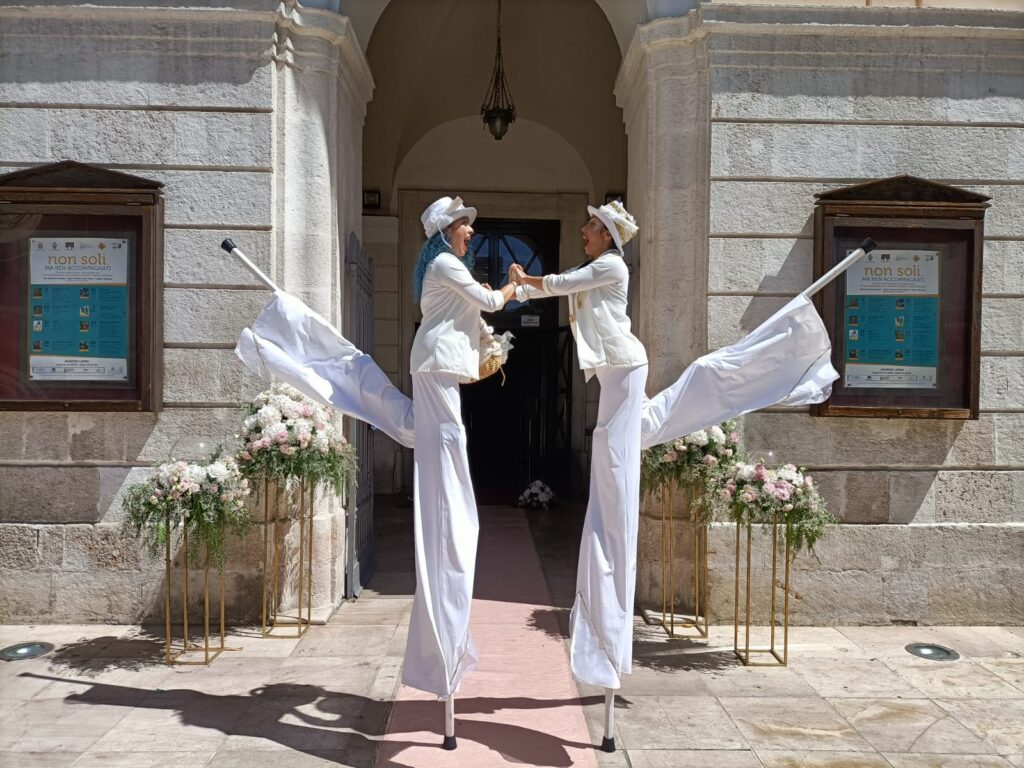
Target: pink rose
[(734, 437), (669, 457), (760, 472), (727, 452), (710, 460), (748, 497), (726, 494)]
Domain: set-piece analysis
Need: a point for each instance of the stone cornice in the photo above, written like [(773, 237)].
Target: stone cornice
[(289, 18)]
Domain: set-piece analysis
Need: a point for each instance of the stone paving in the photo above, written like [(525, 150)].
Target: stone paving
[(851, 696)]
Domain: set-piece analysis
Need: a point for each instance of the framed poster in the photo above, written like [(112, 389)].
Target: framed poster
[(81, 275), (905, 320), (78, 307)]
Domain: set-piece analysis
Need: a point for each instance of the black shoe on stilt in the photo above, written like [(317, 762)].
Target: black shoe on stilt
[(449, 743), (608, 744)]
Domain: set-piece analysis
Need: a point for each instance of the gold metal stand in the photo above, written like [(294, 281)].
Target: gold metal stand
[(671, 621), (745, 654), (272, 619), (187, 646)]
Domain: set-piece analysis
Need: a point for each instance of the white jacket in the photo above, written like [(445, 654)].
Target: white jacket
[(597, 292), (448, 339)]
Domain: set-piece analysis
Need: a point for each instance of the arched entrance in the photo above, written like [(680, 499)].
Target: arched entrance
[(431, 60)]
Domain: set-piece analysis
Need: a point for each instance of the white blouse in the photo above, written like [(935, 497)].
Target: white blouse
[(448, 339), (597, 292)]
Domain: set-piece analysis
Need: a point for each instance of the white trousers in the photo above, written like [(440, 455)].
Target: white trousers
[(440, 650), (601, 624)]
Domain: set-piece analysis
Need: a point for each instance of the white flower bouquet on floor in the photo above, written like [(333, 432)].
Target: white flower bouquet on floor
[(536, 496), (288, 436)]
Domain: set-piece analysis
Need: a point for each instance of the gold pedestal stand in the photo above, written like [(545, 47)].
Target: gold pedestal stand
[(187, 646), (273, 620), (671, 621), (746, 653)]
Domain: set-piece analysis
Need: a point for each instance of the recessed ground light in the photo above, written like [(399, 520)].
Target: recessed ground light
[(933, 652), (25, 651)]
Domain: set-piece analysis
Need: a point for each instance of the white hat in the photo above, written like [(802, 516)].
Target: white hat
[(618, 220), (442, 212)]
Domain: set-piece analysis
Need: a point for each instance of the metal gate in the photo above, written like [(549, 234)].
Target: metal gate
[(358, 328)]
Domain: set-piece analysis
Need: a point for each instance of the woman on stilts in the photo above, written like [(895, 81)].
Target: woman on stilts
[(290, 343), (444, 354), (601, 624)]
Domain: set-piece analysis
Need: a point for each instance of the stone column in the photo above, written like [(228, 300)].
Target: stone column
[(664, 93)]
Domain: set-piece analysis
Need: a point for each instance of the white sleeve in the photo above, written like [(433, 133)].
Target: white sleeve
[(603, 270), (454, 274), (528, 292)]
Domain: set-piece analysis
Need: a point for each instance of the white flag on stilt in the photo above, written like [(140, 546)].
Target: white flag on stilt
[(787, 360), (290, 342)]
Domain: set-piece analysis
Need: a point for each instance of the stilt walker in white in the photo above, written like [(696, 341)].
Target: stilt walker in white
[(289, 342), (601, 623), (786, 360)]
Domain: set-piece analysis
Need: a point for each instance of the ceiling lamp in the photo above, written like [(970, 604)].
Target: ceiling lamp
[(498, 111)]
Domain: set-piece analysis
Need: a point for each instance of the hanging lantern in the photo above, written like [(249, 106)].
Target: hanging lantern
[(498, 110)]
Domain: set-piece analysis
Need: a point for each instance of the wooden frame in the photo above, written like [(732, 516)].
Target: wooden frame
[(906, 212), (62, 193)]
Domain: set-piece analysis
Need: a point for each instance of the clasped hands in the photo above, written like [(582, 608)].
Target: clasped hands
[(516, 275)]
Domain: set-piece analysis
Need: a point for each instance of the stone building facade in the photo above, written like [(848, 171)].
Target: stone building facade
[(719, 121)]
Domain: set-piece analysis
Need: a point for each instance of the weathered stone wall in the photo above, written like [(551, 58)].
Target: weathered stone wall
[(801, 101), (251, 114)]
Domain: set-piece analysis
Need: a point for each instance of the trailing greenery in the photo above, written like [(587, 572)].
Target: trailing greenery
[(206, 500), (709, 465), (698, 463)]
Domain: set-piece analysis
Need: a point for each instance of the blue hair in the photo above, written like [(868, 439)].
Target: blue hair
[(433, 248)]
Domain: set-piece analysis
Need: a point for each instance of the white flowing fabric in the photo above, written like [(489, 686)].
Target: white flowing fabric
[(784, 361), (290, 342), (601, 623), (440, 650)]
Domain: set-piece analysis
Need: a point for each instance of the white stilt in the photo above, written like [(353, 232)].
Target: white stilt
[(608, 743), (449, 723)]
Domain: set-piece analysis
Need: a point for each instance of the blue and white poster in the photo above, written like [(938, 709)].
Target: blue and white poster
[(78, 309), (891, 320)]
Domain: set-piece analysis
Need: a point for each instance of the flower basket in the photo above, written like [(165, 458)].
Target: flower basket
[(494, 351)]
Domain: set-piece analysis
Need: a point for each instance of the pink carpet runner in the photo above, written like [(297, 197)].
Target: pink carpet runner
[(520, 707)]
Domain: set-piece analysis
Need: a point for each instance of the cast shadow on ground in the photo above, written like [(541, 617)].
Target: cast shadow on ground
[(326, 723), (93, 656), (668, 655)]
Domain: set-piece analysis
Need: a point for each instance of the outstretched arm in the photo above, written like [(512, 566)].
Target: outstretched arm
[(592, 275), (456, 276)]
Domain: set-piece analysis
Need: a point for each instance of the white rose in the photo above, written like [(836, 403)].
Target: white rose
[(716, 434), (218, 471), (250, 422), (195, 473), (268, 415), (745, 472)]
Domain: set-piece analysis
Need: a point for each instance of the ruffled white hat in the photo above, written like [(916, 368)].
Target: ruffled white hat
[(442, 212), (618, 220)]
